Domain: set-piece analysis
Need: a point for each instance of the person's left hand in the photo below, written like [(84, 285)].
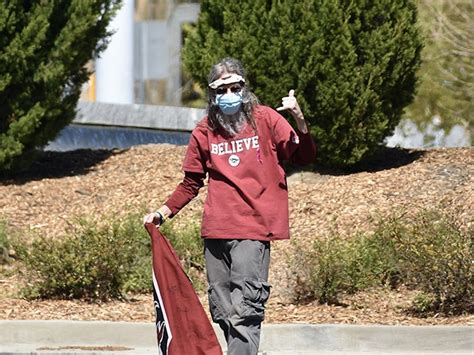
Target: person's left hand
[(153, 218), (291, 104)]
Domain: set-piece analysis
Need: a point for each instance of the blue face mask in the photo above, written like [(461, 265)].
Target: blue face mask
[(229, 103)]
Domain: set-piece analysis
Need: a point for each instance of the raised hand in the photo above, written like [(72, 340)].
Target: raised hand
[(290, 104)]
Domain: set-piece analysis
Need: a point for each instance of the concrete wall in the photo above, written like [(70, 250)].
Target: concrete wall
[(114, 67), (138, 116)]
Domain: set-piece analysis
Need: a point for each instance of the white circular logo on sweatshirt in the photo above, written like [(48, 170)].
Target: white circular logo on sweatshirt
[(234, 160)]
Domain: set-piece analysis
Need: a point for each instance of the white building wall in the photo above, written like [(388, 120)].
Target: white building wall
[(114, 69)]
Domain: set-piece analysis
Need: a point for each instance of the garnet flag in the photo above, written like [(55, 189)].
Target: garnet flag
[(182, 326)]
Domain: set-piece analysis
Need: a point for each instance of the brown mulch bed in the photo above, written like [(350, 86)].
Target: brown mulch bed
[(62, 186)]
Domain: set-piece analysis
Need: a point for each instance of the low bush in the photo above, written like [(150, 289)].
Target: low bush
[(435, 255), (188, 245), (428, 251), (335, 265), (4, 244), (99, 261), (93, 261)]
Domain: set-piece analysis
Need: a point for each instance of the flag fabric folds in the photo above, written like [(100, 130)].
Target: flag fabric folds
[(182, 325)]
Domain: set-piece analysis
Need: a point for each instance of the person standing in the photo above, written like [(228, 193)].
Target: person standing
[(240, 147)]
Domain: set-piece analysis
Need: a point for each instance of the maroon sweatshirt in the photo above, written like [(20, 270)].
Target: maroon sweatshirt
[(247, 190)]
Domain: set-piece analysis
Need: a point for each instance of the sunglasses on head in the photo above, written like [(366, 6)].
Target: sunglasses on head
[(234, 88)]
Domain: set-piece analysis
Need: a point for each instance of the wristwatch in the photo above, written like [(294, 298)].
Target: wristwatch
[(160, 217)]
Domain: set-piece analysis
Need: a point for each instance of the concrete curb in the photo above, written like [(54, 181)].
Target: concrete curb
[(98, 337)]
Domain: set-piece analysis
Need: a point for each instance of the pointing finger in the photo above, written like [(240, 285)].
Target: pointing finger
[(281, 108), (291, 93)]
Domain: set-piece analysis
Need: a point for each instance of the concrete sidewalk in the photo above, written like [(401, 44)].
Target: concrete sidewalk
[(85, 337)]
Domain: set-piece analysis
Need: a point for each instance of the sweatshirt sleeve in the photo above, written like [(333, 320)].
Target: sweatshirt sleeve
[(305, 153), (196, 153), (292, 145), (185, 191), (195, 169)]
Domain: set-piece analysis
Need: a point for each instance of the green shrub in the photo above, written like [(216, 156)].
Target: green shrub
[(4, 244), (336, 265), (423, 303), (435, 256), (189, 246), (317, 272), (352, 63), (92, 262), (100, 261), (427, 251)]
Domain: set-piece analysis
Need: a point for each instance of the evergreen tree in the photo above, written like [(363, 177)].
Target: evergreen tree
[(44, 47), (351, 62)]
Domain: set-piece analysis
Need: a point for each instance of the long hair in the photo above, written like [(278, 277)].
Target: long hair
[(249, 100)]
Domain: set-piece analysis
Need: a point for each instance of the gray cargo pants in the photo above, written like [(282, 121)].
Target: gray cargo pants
[(237, 272)]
